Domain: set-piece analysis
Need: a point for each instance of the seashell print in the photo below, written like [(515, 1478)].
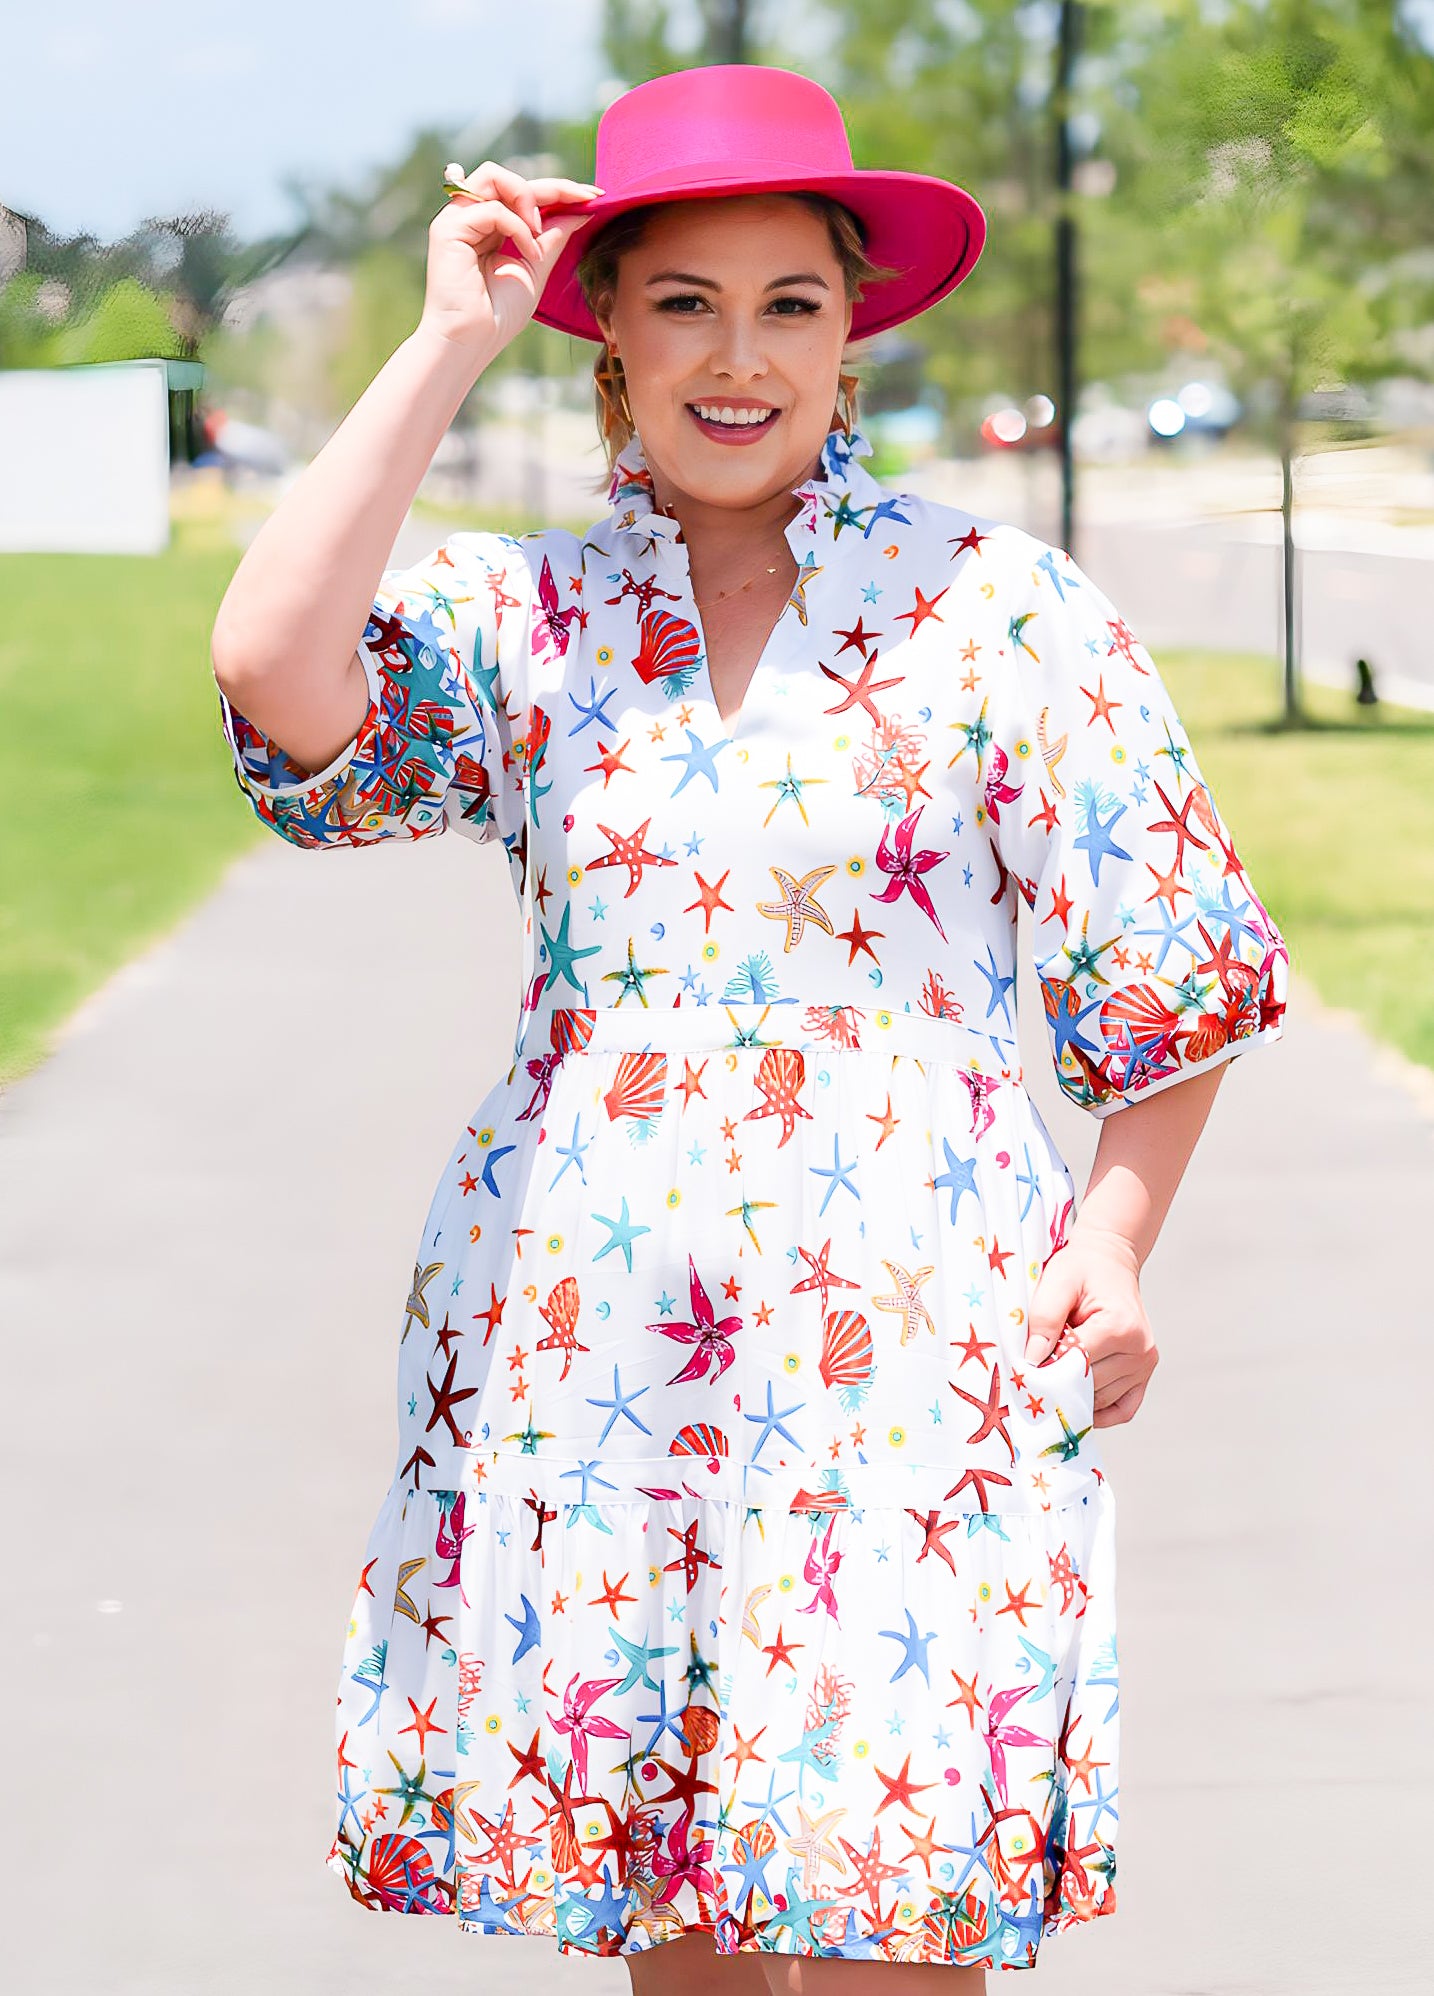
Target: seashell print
[(699, 1438), (400, 1872), (1208, 1034), (846, 1349), (669, 646), (639, 1086), (561, 1311), (700, 1728), (1142, 1008), (780, 1075), (561, 1308), (572, 1028)]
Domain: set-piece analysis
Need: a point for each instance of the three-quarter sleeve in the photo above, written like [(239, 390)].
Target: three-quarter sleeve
[(1155, 954), (443, 655)]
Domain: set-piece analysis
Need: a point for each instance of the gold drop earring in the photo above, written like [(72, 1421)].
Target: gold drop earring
[(612, 385)]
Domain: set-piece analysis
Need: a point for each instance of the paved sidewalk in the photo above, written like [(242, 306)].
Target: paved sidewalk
[(210, 1198)]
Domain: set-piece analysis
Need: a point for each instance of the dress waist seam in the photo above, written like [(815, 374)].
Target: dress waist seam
[(757, 1027)]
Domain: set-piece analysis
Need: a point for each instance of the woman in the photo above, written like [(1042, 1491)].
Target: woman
[(744, 1597)]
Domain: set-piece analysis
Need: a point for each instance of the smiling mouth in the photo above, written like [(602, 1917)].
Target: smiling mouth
[(732, 419)]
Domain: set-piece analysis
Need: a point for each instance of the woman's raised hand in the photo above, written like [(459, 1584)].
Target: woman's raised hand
[(477, 295)]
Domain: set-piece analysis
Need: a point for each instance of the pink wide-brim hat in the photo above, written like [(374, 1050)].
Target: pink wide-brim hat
[(739, 128)]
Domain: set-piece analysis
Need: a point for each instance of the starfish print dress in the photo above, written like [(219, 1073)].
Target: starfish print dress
[(737, 1572)]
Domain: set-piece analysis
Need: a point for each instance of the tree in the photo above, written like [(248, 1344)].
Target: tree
[(1275, 162)]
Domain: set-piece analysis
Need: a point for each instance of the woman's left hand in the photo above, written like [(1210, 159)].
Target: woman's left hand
[(1090, 1288)]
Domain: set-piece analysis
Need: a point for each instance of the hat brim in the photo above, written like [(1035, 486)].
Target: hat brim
[(928, 230)]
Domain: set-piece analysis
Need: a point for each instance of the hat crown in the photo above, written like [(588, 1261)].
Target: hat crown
[(729, 129), (715, 115)]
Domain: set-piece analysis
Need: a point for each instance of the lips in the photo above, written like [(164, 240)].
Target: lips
[(742, 431)]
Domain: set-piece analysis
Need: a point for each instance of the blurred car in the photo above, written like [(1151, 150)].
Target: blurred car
[(1034, 426), (240, 446), (1199, 409)]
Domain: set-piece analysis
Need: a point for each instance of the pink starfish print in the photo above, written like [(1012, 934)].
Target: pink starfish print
[(1000, 1734), (712, 1337), (906, 867), (578, 1722)]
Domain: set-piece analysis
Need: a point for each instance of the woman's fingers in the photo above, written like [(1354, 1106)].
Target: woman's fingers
[(528, 196), (485, 222), (1122, 1409), (1114, 1378)]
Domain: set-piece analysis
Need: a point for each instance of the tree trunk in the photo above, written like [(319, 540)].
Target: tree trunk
[(726, 22), (1287, 516), (1066, 301)]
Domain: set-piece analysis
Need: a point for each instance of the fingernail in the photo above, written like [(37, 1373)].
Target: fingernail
[(1036, 1351)]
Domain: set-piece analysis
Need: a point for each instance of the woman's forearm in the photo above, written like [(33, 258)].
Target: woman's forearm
[(1141, 1158), (298, 602)]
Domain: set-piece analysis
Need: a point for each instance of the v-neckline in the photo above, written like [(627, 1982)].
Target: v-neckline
[(731, 726), (839, 475)]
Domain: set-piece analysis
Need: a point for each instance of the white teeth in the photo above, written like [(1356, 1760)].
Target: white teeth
[(733, 418)]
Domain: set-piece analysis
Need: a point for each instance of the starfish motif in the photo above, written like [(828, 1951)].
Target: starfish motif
[(900, 1788), (632, 978), (806, 576), (906, 868), (789, 786), (821, 1278), (562, 956), (629, 851), (859, 690), (906, 1298), (799, 904), (813, 1844)]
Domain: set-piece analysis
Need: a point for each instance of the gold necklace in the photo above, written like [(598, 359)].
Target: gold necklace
[(723, 594)]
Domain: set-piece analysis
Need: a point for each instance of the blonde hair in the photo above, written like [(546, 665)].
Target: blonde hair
[(597, 274)]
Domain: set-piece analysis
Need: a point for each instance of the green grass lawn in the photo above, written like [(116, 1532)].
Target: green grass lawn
[(1335, 824), (124, 811)]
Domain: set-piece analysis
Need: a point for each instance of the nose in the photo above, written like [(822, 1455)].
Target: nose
[(739, 352)]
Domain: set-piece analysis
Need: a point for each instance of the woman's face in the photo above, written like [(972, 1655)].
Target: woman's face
[(738, 306)]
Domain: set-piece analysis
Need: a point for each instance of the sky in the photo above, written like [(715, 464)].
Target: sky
[(165, 106)]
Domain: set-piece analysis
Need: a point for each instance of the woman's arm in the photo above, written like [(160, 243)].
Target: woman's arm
[(1141, 1159), (285, 641), (286, 637), (1092, 1282)]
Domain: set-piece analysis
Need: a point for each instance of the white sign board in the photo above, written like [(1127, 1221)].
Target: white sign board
[(84, 459)]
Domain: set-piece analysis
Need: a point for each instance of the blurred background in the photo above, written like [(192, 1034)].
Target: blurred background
[(1199, 351)]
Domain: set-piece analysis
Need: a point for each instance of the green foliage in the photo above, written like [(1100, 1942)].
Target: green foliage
[(127, 322), (26, 335), (1271, 155), (383, 310)]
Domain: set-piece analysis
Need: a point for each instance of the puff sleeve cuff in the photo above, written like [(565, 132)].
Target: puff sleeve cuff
[(442, 655), (1155, 954)]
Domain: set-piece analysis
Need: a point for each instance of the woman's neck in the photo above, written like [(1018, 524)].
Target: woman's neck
[(719, 538)]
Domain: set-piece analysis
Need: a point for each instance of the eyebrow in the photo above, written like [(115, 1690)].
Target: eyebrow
[(710, 284)]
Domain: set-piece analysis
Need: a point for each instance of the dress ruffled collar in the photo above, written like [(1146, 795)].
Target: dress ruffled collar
[(841, 489)]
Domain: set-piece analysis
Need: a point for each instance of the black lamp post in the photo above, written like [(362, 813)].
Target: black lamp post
[(1067, 302)]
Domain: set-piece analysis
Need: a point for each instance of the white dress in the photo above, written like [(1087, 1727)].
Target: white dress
[(737, 1571)]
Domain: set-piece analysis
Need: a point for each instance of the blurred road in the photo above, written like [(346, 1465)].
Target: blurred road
[(1189, 554), (210, 1198)]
